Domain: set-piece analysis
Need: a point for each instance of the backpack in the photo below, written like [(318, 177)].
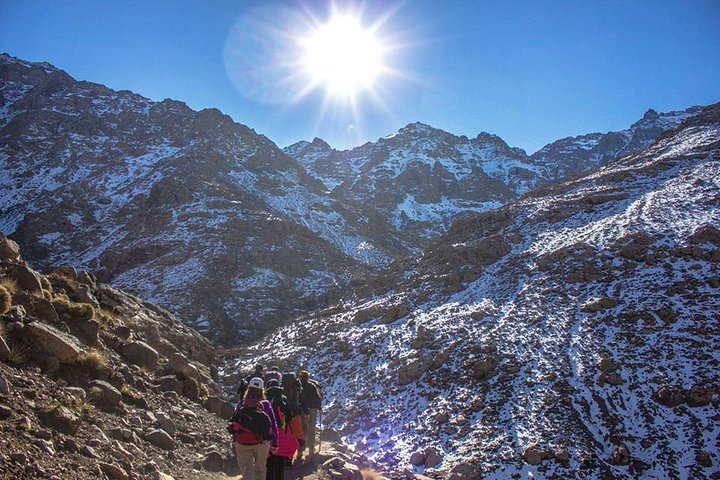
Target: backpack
[(293, 390), (311, 396), (250, 424)]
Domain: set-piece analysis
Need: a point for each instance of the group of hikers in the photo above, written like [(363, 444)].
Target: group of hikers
[(274, 421)]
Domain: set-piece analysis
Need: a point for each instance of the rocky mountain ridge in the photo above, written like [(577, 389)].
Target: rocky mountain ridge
[(202, 215), (570, 334)]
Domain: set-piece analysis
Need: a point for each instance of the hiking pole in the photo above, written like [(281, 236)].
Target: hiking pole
[(321, 430)]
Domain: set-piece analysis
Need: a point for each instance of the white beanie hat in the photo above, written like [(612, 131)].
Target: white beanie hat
[(256, 383)]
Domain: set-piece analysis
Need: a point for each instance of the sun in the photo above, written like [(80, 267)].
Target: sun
[(342, 56)]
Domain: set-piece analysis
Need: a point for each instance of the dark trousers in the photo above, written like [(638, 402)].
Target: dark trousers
[(275, 468)]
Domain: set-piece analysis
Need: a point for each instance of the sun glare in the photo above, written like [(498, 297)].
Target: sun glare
[(342, 56)]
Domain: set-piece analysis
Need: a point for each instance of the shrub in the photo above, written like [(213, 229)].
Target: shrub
[(47, 295), (80, 311), (46, 285), (131, 397), (5, 300), (203, 390), (368, 474), (19, 352), (9, 284), (93, 360)]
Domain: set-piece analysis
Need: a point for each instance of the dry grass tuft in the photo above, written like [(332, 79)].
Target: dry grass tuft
[(369, 474), (5, 300), (46, 285), (130, 396), (9, 284), (80, 311), (19, 352), (93, 359)]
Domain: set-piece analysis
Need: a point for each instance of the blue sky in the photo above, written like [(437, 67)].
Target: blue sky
[(529, 71)]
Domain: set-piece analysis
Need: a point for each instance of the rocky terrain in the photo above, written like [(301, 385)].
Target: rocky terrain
[(98, 384), (423, 178), (214, 222), (570, 334)]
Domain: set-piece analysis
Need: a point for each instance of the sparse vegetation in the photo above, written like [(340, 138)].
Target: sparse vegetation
[(79, 311), (130, 396), (203, 390), (131, 323), (46, 285), (93, 360), (19, 352), (81, 407), (369, 474), (5, 300), (47, 295), (9, 284)]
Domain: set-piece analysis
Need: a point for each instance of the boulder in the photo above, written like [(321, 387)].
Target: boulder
[(417, 458), (213, 461), (169, 383), (484, 368), (9, 250), (670, 396), (52, 341), (698, 397), (4, 385), (607, 365), (26, 278), (433, 457), (191, 389), (37, 307), (141, 354), (105, 396), (219, 407), (66, 271), (113, 471), (621, 456), (165, 423), (161, 439), (534, 455), (5, 412), (329, 435)]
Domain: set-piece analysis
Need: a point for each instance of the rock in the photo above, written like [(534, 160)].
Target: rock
[(441, 418), (607, 365), (698, 397), (703, 459), (161, 439), (213, 461), (88, 451), (330, 435), (66, 271), (417, 458), (46, 446), (4, 385), (433, 457), (61, 419), (87, 278), (562, 456), (534, 455), (621, 456), (165, 423), (141, 354), (19, 457), (191, 389), (169, 383), (26, 278), (4, 350), (595, 305), (105, 395), (219, 407), (37, 307), (464, 471), (5, 412), (9, 250), (484, 368), (50, 340), (670, 396), (161, 476), (113, 471), (76, 392)]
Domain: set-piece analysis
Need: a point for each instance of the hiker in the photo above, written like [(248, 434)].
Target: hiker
[(287, 443), (273, 374), (311, 400), (293, 388), (258, 373), (253, 438)]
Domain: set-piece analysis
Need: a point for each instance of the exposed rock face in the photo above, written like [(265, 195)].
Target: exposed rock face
[(570, 331), (140, 353)]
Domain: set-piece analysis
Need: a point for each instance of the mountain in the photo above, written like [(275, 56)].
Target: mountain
[(213, 221), (188, 209), (423, 178), (572, 333)]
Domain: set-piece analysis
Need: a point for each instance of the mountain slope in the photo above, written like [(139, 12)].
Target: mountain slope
[(423, 179), (572, 333), (166, 201)]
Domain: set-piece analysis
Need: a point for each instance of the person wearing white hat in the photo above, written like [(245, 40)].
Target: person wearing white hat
[(251, 449)]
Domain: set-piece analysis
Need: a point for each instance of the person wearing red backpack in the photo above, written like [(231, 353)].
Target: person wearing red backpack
[(287, 443), (256, 432)]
